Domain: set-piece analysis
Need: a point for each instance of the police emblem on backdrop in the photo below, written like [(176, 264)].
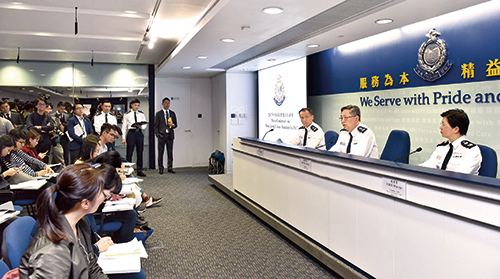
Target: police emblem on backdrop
[(432, 58), (279, 92)]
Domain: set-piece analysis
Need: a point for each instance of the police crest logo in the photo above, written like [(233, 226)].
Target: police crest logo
[(279, 92), (432, 58)]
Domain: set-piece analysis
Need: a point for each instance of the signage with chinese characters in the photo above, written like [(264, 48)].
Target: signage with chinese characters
[(305, 164), (394, 187)]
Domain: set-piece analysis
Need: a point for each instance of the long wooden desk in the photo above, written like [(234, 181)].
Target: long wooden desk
[(390, 220)]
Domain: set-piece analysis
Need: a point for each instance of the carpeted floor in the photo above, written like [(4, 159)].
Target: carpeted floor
[(201, 233)]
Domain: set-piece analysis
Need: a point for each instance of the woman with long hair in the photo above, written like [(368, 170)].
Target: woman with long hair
[(62, 247), (32, 139), (6, 146), (89, 149)]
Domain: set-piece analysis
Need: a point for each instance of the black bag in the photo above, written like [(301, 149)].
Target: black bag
[(216, 163)]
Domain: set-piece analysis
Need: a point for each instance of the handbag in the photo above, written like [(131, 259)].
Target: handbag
[(143, 233)]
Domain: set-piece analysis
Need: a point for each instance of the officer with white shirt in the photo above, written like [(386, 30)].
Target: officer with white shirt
[(355, 138), (457, 153), (132, 133), (104, 117), (311, 134)]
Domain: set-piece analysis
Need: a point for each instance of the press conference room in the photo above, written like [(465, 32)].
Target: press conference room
[(312, 141)]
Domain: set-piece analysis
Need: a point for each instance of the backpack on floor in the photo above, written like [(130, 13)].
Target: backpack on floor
[(216, 163)]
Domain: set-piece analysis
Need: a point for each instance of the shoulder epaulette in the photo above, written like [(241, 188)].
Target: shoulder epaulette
[(302, 127), (362, 129), (344, 130), (444, 143), (140, 111), (98, 114), (129, 111), (468, 144), (314, 128)]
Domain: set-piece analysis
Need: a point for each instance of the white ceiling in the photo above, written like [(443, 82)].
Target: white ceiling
[(44, 30)]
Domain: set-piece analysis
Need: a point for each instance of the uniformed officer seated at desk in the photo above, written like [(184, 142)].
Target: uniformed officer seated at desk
[(355, 138), (457, 153), (311, 134)]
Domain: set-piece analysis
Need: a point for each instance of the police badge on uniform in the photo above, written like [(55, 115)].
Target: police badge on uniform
[(279, 92), (432, 58)]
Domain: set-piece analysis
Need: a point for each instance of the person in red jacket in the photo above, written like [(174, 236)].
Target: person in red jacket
[(31, 143)]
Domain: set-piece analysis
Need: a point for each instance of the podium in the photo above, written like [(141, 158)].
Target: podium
[(379, 218)]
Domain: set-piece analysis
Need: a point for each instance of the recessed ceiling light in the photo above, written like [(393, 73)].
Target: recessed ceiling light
[(312, 45), (186, 67), (227, 40), (17, 3), (131, 12), (384, 21), (151, 45), (202, 57), (272, 10)]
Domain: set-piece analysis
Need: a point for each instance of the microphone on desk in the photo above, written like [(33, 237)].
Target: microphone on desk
[(267, 132), (323, 145), (416, 150)]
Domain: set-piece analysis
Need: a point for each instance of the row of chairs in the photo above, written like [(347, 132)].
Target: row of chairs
[(398, 145)]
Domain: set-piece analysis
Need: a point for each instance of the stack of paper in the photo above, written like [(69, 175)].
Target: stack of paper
[(119, 205), (131, 180), (123, 257), (28, 185), (7, 211)]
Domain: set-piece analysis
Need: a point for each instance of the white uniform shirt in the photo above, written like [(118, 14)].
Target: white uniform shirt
[(101, 119), (363, 142), (128, 120), (466, 156), (315, 137)]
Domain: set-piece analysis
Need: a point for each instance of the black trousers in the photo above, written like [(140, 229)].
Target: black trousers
[(65, 145), (135, 138), (44, 145), (166, 140)]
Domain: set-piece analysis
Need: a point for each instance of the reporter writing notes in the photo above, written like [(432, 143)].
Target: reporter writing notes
[(355, 138), (457, 153), (311, 134), (62, 247)]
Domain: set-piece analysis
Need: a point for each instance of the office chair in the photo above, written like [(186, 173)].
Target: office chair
[(397, 145), (489, 162), (4, 268), (331, 136), (16, 238)]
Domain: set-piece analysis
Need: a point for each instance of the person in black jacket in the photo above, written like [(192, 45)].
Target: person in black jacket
[(62, 247), (165, 123)]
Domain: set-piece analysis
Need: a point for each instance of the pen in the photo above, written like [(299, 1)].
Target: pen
[(98, 236)]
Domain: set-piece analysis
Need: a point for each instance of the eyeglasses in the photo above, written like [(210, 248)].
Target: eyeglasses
[(346, 117), (42, 105), (106, 198), (21, 142)]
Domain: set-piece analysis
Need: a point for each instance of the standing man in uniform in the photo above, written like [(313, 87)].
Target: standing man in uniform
[(311, 134), (355, 138), (165, 123), (134, 121), (457, 153)]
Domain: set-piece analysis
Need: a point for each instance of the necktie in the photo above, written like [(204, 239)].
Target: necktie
[(447, 158), (105, 118), (305, 137), (135, 117), (349, 144)]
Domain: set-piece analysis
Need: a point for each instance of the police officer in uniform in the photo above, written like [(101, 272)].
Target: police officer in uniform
[(132, 133), (355, 138), (457, 153), (311, 134), (104, 117)]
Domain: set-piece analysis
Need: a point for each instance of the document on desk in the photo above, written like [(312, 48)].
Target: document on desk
[(123, 257), (131, 180), (7, 211), (119, 205), (28, 185)]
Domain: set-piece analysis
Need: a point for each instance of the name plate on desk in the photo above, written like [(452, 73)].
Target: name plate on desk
[(305, 164), (260, 152), (394, 187)]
